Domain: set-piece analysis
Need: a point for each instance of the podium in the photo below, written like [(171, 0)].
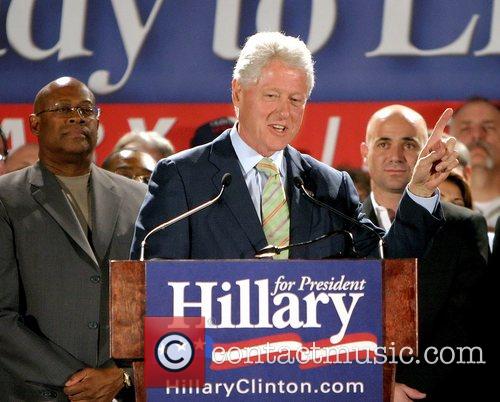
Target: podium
[(127, 310)]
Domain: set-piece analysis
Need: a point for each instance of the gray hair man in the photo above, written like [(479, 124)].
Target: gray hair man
[(272, 81), (477, 125)]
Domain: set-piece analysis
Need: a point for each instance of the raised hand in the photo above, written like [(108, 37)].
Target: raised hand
[(436, 160)]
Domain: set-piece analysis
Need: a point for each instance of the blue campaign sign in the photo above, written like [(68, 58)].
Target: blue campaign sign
[(157, 51), (273, 329)]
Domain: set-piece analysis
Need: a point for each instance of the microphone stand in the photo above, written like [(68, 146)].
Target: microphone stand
[(226, 180), (299, 183), (270, 251)]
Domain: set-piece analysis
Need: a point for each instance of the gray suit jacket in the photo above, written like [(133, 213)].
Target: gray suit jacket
[(54, 282)]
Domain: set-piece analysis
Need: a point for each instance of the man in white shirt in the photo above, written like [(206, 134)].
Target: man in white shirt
[(452, 268)]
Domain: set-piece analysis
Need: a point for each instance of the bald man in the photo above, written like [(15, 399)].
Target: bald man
[(135, 165), (450, 271), (61, 221)]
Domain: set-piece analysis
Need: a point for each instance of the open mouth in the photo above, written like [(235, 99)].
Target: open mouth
[(279, 128)]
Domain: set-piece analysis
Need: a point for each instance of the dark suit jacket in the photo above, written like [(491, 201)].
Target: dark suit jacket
[(450, 275), (231, 228), (54, 292), (495, 255)]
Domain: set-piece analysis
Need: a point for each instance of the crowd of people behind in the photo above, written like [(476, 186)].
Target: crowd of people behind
[(474, 184), (62, 218)]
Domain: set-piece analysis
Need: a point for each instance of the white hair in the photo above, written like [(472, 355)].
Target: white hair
[(263, 47)]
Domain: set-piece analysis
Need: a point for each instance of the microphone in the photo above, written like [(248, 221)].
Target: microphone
[(270, 250), (225, 182), (299, 183)]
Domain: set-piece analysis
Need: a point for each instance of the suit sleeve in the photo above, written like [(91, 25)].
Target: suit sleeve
[(410, 234), (166, 198), (24, 353)]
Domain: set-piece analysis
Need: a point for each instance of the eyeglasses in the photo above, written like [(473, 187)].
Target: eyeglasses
[(143, 178), (66, 111)]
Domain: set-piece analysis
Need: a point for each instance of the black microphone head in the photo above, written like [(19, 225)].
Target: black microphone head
[(298, 182), (226, 179)]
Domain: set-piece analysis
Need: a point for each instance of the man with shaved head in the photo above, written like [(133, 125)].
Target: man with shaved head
[(61, 221), (452, 268), (135, 165)]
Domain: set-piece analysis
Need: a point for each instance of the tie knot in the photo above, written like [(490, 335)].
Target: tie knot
[(267, 166)]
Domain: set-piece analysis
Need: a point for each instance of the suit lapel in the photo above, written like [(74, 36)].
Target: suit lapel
[(48, 194), (106, 203), (236, 197), (370, 211), (301, 209)]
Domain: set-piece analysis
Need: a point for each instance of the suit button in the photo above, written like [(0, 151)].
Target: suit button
[(95, 279), (46, 394), (93, 324)]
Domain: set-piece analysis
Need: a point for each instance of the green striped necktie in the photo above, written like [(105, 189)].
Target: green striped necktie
[(275, 214)]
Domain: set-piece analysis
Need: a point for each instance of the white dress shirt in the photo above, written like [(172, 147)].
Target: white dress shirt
[(384, 221), (248, 159), (255, 181)]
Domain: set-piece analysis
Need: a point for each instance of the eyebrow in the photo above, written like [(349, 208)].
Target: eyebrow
[(413, 139), (490, 121)]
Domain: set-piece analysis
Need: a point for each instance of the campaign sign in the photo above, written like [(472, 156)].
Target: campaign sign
[(279, 330)]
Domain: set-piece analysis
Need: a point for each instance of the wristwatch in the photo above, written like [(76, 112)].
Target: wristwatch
[(127, 381)]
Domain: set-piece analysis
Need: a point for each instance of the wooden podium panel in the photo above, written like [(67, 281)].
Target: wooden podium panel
[(128, 301), (399, 301)]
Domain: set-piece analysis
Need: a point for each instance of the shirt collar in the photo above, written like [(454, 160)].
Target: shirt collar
[(249, 157), (375, 204)]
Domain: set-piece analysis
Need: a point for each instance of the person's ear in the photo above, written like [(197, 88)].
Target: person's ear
[(467, 173), (34, 124), (235, 92), (363, 149)]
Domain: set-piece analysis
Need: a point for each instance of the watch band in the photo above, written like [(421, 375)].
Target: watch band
[(127, 381)]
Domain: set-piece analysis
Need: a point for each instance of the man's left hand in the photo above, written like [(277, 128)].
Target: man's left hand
[(436, 160), (94, 384)]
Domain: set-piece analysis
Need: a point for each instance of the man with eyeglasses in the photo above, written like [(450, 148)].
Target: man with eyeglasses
[(135, 165), (3, 151), (61, 221)]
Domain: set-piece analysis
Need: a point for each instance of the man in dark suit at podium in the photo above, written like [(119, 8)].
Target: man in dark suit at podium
[(272, 81), (450, 270)]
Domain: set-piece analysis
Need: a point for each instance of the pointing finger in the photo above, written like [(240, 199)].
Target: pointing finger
[(438, 131)]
